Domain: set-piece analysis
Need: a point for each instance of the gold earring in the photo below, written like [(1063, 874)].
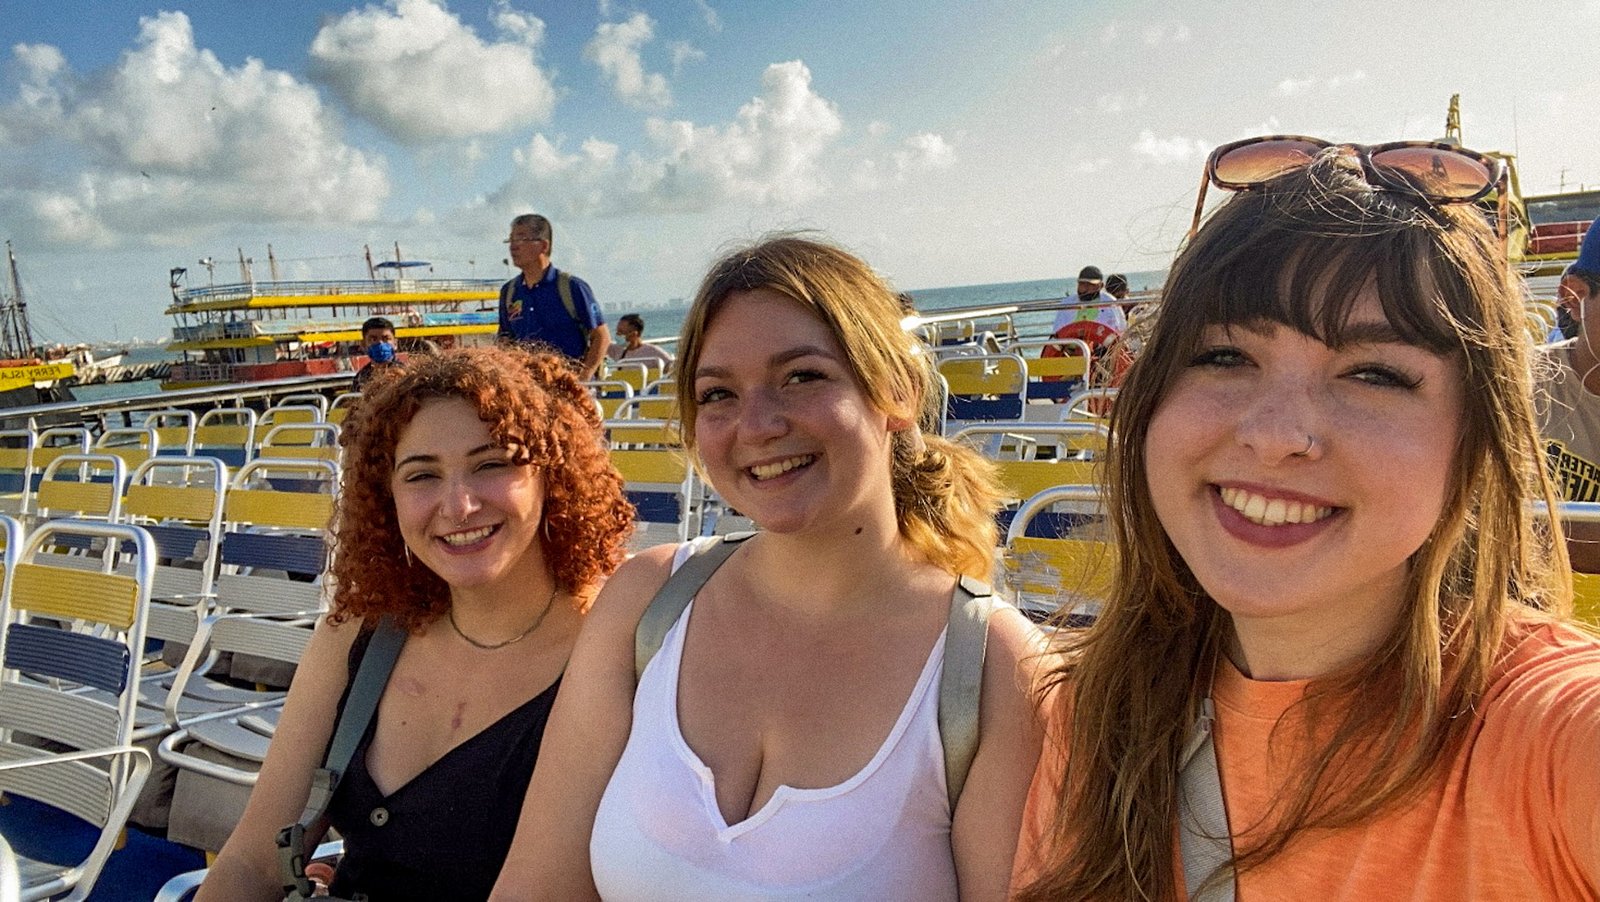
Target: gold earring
[(407, 549)]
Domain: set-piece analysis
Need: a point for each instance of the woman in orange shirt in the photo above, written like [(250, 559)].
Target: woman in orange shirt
[(1335, 614)]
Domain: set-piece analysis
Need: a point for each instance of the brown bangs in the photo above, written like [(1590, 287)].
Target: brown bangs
[(1260, 266)]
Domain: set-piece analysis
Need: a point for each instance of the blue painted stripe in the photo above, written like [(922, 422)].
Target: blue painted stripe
[(233, 457), (295, 554), (11, 482), (1047, 524), (48, 652), (176, 542), (294, 484), (73, 540), (1054, 391), (1008, 408), (656, 507)]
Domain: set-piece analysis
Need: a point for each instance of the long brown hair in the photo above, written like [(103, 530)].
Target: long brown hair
[(1298, 254), (945, 494)]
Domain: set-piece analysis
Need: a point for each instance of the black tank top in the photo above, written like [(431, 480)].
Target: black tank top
[(445, 834)]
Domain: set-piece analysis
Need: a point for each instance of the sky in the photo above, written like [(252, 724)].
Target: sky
[(948, 143)]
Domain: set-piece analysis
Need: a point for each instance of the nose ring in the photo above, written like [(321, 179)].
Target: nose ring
[(1311, 442)]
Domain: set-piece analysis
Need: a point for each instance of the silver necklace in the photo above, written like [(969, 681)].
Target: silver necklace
[(491, 646)]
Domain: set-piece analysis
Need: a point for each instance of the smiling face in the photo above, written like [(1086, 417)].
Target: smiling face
[(465, 510), (782, 426), (1313, 539)]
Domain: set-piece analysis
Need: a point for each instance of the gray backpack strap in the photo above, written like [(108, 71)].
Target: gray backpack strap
[(1204, 841), (383, 649), (505, 303), (675, 595), (961, 682)]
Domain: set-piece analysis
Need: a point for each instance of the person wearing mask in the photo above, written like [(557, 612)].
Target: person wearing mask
[(630, 328), (377, 336), (1090, 304)]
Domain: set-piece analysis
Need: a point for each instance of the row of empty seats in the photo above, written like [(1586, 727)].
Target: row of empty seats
[(217, 578)]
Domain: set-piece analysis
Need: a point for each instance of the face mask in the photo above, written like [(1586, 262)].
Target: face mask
[(381, 352)]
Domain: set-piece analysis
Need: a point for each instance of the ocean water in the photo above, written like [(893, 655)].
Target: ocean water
[(664, 322)]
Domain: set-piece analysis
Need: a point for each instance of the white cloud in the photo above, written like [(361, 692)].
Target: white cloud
[(1089, 167), (866, 176), (413, 69), (769, 153), (1291, 87), (524, 28), (1166, 33), (615, 49), (712, 20), (169, 141), (1169, 150), (1110, 33), (42, 85), (684, 52), (924, 152)]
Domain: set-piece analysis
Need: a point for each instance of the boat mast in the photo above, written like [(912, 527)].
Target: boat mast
[(1452, 121), (16, 340)]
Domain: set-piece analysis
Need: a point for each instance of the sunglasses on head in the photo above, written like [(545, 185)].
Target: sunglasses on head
[(1438, 172)]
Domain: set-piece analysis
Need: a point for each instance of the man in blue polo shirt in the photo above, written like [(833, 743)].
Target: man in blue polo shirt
[(547, 305)]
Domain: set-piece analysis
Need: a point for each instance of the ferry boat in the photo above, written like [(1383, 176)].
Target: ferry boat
[(253, 331), (1544, 230), (25, 377)]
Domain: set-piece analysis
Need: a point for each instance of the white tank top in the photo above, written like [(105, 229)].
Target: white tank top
[(882, 834)]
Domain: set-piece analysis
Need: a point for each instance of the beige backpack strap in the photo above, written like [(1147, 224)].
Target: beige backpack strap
[(675, 595), (961, 683), (1205, 843), (564, 289)]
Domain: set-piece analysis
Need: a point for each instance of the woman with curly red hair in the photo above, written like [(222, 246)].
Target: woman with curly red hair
[(480, 512)]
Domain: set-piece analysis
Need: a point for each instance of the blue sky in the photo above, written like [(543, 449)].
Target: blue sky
[(948, 143)]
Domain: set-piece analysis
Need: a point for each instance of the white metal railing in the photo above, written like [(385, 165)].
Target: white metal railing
[(246, 290)]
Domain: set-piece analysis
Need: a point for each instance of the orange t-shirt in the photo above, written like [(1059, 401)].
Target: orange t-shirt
[(1514, 815)]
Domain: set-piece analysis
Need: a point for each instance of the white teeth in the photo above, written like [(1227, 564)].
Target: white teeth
[(1272, 511), (467, 538), (767, 471), (1255, 507)]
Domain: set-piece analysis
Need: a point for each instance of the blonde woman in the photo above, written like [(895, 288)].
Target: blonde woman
[(784, 741)]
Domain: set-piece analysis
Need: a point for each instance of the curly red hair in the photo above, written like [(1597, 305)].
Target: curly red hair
[(534, 405)]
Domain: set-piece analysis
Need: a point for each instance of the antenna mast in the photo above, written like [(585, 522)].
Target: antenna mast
[(16, 340)]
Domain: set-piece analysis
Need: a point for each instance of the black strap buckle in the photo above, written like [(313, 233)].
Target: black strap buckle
[(292, 863)]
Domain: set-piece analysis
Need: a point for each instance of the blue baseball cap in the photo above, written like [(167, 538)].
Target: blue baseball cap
[(1588, 262)]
